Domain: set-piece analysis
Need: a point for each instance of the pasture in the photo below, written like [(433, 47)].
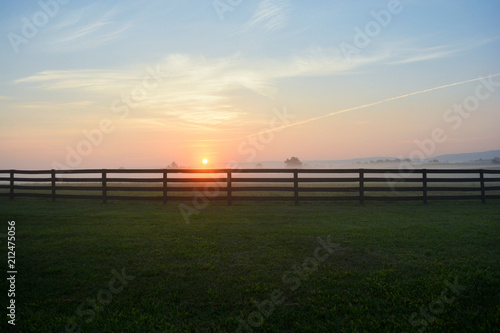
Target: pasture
[(139, 267)]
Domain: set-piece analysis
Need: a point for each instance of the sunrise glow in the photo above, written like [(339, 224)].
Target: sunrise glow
[(109, 84)]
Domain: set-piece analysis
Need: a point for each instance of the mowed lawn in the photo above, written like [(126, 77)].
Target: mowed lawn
[(84, 266)]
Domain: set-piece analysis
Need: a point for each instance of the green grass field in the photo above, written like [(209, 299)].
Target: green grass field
[(139, 267)]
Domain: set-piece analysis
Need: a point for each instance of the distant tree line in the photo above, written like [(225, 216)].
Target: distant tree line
[(293, 162)]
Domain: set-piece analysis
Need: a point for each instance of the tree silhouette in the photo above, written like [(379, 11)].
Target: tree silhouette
[(293, 162), (173, 166)]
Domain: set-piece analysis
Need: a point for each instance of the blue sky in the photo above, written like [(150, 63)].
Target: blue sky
[(208, 79)]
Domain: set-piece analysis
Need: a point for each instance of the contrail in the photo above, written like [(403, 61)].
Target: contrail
[(370, 104)]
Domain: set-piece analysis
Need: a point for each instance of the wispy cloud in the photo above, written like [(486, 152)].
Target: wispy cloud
[(76, 32), (54, 105), (82, 32), (323, 62), (209, 91), (412, 53), (192, 89), (270, 15), (79, 79)]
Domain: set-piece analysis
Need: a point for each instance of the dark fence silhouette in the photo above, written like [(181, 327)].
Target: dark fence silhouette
[(253, 184)]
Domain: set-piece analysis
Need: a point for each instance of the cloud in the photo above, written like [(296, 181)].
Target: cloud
[(54, 106), (270, 15), (192, 78), (94, 80), (192, 89), (324, 62), (212, 91), (75, 32), (82, 32), (412, 53)]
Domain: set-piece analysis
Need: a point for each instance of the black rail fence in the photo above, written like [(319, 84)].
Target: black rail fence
[(231, 185)]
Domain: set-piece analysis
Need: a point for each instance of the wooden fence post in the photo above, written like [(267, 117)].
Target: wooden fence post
[(481, 179), (424, 185), (361, 187), (228, 191), (104, 187), (11, 185), (165, 184), (296, 187), (53, 184)]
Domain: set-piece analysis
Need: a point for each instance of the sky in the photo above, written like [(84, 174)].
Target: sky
[(109, 84)]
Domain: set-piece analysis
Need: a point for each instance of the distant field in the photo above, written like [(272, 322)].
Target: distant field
[(393, 267)]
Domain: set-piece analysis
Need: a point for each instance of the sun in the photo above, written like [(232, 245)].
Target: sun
[(205, 161)]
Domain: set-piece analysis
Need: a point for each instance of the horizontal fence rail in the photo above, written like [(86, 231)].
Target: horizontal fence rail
[(230, 185)]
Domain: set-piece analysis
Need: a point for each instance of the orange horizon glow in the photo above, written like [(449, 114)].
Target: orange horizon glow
[(222, 103)]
